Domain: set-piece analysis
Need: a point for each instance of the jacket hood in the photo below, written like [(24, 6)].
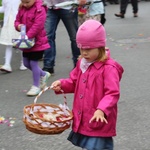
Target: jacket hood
[(117, 66)]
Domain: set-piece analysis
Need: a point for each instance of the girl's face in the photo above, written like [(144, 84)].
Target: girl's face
[(90, 54), (27, 3)]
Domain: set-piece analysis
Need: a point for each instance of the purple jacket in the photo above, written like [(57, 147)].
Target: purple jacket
[(34, 19), (97, 88)]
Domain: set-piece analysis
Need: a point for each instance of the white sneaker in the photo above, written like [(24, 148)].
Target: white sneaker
[(33, 91), (22, 67), (6, 68), (43, 81)]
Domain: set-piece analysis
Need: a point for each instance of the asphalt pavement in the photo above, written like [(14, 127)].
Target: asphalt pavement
[(129, 43)]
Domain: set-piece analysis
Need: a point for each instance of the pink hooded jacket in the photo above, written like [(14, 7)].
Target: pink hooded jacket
[(34, 19), (97, 88)]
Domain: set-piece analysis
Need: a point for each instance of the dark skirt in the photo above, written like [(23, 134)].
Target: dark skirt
[(33, 55), (91, 143)]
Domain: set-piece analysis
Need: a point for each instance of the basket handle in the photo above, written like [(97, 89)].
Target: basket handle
[(49, 88)]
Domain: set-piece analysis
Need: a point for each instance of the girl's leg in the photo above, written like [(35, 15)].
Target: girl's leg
[(26, 63), (8, 56), (40, 77), (36, 72)]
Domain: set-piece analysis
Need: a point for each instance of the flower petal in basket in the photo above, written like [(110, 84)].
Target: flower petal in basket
[(45, 122)]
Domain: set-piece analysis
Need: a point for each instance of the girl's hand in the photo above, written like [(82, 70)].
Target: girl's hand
[(98, 115), (19, 27), (56, 86)]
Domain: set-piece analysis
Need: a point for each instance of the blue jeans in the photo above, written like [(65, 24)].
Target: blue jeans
[(71, 24)]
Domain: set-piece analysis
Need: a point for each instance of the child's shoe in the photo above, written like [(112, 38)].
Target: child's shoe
[(6, 68), (22, 67), (43, 81), (33, 91)]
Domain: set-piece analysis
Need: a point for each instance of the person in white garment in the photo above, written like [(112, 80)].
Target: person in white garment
[(8, 32)]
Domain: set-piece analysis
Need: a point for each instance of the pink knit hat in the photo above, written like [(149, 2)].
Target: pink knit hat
[(91, 34)]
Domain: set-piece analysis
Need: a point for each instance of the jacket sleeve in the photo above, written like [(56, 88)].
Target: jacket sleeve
[(111, 90), (37, 26), (17, 20), (68, 85)]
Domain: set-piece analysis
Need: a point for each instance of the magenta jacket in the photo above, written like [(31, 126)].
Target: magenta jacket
[(34, 19), (97, 88)]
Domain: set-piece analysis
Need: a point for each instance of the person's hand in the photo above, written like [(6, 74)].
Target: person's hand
[(56, 86), (82, 2), (98, 116), (19, 27)]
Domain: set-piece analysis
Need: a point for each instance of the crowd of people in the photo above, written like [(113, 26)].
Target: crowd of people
[(71, 19), (15, 18)]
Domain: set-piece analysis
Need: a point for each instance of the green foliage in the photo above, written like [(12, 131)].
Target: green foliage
[(1, 15)]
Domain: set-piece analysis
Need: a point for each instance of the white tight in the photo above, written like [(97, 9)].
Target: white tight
[(8, 55)]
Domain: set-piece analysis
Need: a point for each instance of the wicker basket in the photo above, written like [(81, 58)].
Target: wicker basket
[(42, 118)]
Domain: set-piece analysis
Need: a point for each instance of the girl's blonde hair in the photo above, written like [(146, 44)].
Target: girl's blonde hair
[(102, 54)]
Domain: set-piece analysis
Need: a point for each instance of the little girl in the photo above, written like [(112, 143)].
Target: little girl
[(8, 32), (32, 14), (95, 82)]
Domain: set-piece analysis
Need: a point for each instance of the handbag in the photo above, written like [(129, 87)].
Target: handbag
[(23, 42)]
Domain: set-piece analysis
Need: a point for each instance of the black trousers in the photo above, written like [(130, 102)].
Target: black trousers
[(124, 4)]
